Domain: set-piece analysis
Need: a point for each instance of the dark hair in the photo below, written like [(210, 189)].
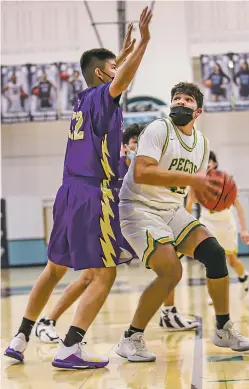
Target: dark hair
[(212, 157), (188, 89), (246, 63), (92, 59), (132, 131)]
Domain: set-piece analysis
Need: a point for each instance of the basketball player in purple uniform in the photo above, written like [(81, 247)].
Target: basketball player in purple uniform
[(45, 329), (86, 231)]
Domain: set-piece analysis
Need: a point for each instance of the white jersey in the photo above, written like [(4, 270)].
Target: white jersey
[(225, 215), (13, 91), (162, 141)]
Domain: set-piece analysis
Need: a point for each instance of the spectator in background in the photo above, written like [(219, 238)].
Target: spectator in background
[(241, 79), (130, 137)]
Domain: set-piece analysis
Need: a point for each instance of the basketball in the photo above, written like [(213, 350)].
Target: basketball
[(208, 83), (64, 76), (228, 195), (36, 91)]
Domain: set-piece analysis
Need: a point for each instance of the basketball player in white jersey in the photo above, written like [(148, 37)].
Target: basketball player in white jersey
[(154, 222), (12, 91), (223, 226)]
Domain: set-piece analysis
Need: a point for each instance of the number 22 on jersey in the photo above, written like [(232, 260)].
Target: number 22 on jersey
[(77, 133)]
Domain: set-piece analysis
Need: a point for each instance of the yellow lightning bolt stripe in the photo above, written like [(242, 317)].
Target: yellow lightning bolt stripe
[(107, 213), (106, 229), (104, 161)]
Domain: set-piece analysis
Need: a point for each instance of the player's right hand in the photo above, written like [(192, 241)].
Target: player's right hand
[(144, 22), (208, 188)]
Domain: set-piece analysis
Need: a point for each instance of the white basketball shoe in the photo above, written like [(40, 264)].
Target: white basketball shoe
[(228, 336), (171, 320), (46, 331), (134, 348)]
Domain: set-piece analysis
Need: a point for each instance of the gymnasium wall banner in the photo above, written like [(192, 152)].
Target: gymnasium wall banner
[(4, 241), (143, 109), (44, 92), (71, 83), (217, 82), (15, 94), (240, 83)]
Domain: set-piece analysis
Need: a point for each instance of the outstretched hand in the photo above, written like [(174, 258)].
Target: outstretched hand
[(244, 236), (129, 43), (144, 22)]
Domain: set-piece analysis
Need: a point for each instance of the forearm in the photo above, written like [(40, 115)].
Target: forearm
[(121, 58), (127, 71), (156, 176), (190, 200), (241, 215)]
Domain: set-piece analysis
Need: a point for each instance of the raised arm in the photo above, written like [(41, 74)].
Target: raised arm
[(128, 47), (127, 71)]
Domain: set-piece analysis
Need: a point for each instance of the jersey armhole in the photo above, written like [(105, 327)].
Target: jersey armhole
[(205, 150), (167, 138)]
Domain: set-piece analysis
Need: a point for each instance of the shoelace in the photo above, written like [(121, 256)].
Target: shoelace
[(234, 333), (139, 343)]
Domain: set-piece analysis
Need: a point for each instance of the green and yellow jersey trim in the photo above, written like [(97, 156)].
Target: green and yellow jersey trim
[(186, 231), (167, 138), (151, 246), (190, 149), (205, 149)]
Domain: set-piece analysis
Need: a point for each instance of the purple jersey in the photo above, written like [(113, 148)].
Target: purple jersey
[(123, 168), (93, 147)]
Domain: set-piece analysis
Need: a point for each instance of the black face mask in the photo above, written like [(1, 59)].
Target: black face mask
[(181, 115)]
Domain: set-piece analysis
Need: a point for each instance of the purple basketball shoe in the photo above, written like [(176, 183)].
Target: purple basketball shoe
[(16, 348), (75, 357)]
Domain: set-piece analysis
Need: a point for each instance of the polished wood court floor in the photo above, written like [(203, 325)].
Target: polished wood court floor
[(185, 360)]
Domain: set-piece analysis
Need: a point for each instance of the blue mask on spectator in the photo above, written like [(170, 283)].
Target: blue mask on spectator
[(131, 154)]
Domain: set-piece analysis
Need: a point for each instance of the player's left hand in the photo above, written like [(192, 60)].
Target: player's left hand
[(129, 43), (244, 236)]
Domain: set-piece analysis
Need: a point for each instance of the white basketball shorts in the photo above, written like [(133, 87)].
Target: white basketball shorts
[(225, 232), (144, 226)]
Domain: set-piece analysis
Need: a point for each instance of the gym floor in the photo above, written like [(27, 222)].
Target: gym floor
[(185, 360)]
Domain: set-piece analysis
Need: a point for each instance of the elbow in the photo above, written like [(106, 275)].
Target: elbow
[(139, 176)]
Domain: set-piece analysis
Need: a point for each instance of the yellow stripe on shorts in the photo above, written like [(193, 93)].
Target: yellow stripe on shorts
[(151, 242), (150, 248), (184, 234), (164, 240), (227, 252)]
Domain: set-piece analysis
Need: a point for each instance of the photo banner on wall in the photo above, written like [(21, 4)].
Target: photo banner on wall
[(144, 109), (240, 83), (217, 81), (15, 94), (71, 83), (44, 92)]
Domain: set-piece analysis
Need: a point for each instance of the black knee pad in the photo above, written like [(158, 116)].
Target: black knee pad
[(212, 255)]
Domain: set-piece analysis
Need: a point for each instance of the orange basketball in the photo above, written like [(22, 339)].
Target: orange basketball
[(36, 91), (228, 195), (208, 83), (64, 76)]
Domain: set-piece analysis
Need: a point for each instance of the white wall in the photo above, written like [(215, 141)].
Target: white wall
[(33, 155), (42, 31), (228, 134)]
